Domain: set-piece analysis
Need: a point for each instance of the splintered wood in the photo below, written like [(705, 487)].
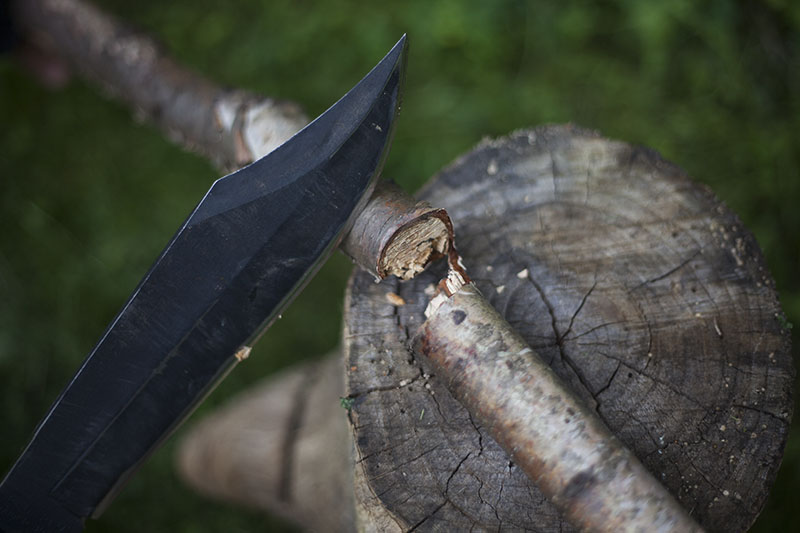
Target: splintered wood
[(411, 249), (397, 235), (394, 235), (559, 443)]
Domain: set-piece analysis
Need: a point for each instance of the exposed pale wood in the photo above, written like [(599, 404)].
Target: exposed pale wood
[(637, 286), (705, 402)]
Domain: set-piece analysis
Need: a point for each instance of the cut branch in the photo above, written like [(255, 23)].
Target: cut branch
[(562, 228), (396, 235), (559, 443)]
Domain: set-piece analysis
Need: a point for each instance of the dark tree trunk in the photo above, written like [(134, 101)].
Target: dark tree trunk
[(639, 288)]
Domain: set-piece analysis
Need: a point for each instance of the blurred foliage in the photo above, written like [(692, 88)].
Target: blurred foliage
[(89, 197)]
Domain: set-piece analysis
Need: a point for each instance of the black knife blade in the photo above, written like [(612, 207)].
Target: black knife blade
[(249, 246)]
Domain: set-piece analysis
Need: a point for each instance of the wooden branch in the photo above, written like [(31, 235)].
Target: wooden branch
[(280, 446), (395, 235), (587, 477), (544, 427), (232, 127), (546, 430)]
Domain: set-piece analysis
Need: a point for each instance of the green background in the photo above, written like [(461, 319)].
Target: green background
[(88, 197)]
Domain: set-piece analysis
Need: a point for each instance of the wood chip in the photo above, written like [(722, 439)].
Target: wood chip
[(395, 299)]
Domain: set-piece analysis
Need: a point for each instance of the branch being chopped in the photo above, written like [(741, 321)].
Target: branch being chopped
[(396, 235), (558, 442)]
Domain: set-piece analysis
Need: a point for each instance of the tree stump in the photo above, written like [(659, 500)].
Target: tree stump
[(640, 289)]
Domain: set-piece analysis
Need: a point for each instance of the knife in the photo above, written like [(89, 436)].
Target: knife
[(250, 245)]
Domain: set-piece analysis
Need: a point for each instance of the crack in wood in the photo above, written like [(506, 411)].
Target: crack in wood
[(292, 431), (653, 333), (428, 517), (395, 386), (478, 431), (782, 418), (578, 310), (385, 449), (669, 272), (560, 342), (607, 385), (593, 329)]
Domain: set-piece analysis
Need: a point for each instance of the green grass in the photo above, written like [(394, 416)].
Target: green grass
[(88, 197)]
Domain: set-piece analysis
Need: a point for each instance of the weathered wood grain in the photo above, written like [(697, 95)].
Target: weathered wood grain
[(635, 284)]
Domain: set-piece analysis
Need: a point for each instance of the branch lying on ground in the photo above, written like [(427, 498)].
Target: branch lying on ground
[(559, 443)]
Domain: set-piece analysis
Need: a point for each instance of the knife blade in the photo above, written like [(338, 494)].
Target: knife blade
[(246, 250)]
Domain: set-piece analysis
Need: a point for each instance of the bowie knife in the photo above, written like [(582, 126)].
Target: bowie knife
[(237, 261)]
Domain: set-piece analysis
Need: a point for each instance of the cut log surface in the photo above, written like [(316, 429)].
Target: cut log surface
[(635, 284)]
